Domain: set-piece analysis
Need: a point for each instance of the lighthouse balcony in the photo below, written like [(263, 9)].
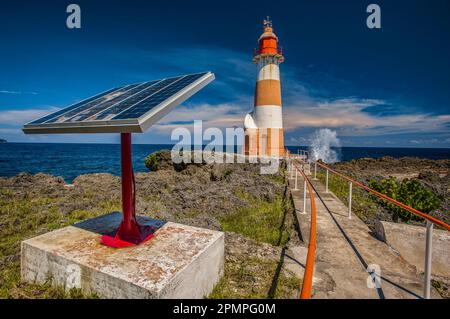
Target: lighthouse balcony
[(277, 56)]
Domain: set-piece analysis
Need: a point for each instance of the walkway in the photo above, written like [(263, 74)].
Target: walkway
[(345, 248)]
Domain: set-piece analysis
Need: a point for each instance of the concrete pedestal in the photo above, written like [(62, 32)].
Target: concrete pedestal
[(179, 262)]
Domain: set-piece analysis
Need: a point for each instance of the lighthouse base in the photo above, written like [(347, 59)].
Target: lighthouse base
[(264, 142), (179, 262)]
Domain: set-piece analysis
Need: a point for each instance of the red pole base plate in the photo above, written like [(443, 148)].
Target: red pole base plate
[(141, 234)]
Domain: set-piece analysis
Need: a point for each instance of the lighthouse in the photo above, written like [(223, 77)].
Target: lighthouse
[(264, 125)]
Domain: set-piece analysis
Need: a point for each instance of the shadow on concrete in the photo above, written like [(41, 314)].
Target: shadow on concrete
[(349, 241), (359, 256), (276, 277), (109, 223), (296, 261)]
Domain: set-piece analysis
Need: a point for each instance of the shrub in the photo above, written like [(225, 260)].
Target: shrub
[(408, 192), (151, 162)]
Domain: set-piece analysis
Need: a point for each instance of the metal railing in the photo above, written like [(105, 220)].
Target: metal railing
[(430, 220), (310, 258)]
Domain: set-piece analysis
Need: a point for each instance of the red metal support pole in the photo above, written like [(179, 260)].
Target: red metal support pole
[(130, 232)]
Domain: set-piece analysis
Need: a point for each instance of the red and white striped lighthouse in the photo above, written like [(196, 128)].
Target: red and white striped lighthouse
[(264, 125)]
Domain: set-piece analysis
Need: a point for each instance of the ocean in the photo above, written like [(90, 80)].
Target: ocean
[(71, 160)]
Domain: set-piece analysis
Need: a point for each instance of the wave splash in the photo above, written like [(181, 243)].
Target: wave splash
[(325, 145)]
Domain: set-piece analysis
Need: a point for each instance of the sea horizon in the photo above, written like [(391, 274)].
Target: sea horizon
[(287, 146), (70, 160)]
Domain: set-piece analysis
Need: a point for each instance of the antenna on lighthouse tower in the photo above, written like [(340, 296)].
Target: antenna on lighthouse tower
[(268, 23)]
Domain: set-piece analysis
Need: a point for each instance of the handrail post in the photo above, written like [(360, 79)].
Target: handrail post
[(315, 171), (304, 197), (350, 189), (292, 170), (326, 183), (428, 254), (296, 173)]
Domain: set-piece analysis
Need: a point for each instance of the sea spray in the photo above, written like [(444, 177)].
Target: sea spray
[(322, 143)]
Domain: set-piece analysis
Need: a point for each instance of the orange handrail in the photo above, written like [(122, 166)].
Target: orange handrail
[(310, 258), (405, 207)]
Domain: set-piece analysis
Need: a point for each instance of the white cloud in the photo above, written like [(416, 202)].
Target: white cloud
[(10, 118), (220, 116), (16, 92), (345, 115), (348, 115)]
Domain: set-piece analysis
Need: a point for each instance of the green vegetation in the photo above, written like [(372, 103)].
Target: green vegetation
[(262, 221), (408, 192), (22, 218), (266, 217), (253, 278), (441, 287), (362, 205), (47, 291), (278, 178), (151, 161)]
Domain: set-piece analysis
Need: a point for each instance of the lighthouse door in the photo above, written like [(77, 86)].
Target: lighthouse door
[(263, 145)]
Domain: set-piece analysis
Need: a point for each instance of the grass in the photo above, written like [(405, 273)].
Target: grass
[(362, 206), (278, 178), (262, 221), (27, 215), (22, 218), (252, 278)]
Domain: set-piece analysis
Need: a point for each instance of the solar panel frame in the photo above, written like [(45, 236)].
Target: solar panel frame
[(130, 125)]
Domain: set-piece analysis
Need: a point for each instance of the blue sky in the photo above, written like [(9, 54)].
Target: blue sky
[(387, 87)]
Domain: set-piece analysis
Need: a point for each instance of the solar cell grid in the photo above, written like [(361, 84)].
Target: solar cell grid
[(85, 107), (148, 104), (105, 106), (72, 107), (110, 113)]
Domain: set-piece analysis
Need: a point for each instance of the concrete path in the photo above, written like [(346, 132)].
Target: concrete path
[(345, 248)]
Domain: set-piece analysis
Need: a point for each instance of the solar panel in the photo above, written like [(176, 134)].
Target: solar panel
[(126, 109)]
